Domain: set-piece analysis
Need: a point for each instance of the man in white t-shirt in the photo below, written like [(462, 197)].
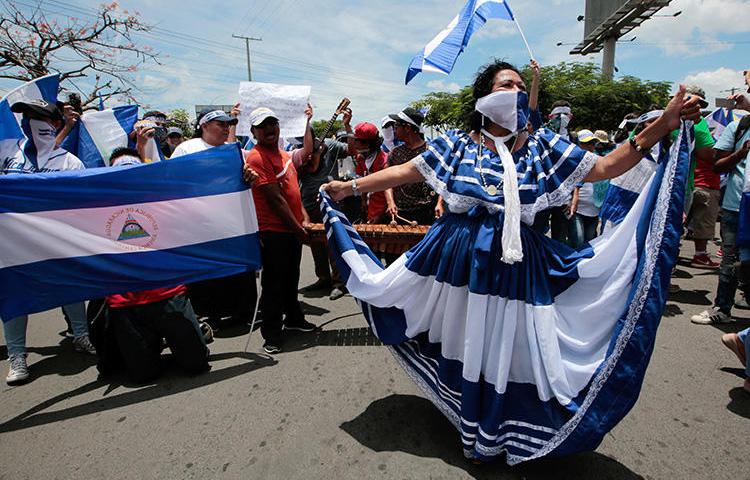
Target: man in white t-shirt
[(214, 128)]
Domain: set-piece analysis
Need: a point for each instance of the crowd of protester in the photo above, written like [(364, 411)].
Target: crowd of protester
[(128, 331)]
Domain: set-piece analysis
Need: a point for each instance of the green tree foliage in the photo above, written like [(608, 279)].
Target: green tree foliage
[(320, 125), (180, 118), (596, 103)]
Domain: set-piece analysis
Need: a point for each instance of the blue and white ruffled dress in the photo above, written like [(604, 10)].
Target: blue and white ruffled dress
[(541, 357)]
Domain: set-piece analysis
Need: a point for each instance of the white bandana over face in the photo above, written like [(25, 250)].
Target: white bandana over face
[(510, 111), (43, 137)]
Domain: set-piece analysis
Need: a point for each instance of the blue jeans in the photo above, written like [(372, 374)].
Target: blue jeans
[(15, 329), (743, 336), (727, 272), (581, 229)]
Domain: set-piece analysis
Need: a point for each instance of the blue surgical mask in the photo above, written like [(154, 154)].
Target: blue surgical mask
[(508, 109)]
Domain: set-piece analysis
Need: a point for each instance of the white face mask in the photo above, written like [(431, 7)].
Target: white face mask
[(43, 135), (510, 110)]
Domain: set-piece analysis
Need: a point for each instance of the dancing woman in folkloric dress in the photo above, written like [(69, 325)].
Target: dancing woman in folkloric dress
[(528, 347)]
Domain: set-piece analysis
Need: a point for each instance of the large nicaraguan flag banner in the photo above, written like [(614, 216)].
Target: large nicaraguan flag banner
[(441, 53), (72, 236), (12, 137), (98, 133), (541, 358)]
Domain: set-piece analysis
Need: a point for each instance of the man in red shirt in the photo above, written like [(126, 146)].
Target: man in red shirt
[(365, 142), (278, 204)]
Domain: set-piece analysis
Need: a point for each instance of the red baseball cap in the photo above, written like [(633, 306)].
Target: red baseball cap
[(365, 131)]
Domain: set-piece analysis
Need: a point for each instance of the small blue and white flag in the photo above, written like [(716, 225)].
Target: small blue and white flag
[(72, 236), (720, 118), (98, 133), (12, 138), (441, 53)]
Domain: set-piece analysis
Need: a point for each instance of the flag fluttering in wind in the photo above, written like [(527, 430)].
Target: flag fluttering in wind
[(441, 53), (12, 138), (96, 232), (98, 133)]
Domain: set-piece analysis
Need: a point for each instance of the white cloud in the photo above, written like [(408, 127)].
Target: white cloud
[(716, 82), (698, 29), (443, 86)]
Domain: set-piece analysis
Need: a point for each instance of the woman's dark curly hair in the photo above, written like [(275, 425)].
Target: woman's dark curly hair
[(483, 86)]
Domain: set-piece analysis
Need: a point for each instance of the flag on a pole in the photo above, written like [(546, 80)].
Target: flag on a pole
[(76, 235), (441, 53), (98, 133)]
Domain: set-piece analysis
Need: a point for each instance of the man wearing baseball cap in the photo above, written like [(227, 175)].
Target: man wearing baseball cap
[(278, 204), (175, 137), (40, 122), (214, 128), (365, 140)]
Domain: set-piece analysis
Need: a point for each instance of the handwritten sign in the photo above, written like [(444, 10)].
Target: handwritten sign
[(287, 101)]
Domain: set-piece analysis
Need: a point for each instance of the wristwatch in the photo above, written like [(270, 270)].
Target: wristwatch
[(355, 188)]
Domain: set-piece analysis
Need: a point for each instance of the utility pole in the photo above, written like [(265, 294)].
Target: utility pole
[(247, 50)]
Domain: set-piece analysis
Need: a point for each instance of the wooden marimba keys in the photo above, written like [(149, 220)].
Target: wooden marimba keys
[(393, 239)]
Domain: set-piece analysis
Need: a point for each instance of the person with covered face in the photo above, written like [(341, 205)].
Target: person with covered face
[(529, 347), (40, 153)]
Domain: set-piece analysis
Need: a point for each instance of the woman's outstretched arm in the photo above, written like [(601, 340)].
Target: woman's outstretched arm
[(375, 182)]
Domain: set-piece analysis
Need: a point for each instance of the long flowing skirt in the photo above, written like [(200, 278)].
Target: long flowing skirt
[(538, 358)]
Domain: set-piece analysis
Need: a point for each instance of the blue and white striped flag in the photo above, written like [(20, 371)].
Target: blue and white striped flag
[(720, 118), (12, 138), (98, 133), (441, 53), (71, 236)]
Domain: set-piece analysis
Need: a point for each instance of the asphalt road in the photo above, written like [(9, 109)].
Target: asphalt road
[(336, 405)]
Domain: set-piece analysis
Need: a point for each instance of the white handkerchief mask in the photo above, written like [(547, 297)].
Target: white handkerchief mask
[(508, 109), (43, 135)]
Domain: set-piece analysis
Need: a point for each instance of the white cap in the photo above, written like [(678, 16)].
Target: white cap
[(258, 115)]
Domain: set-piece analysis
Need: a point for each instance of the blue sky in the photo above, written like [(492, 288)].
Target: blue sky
[(361, 49)]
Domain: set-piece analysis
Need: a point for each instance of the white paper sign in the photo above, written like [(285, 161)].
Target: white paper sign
[(287, 101)]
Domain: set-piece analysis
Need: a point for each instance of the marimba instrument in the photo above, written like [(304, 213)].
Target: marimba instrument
[(394, 239)]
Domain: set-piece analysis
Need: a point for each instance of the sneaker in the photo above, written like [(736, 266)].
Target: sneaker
[(337, 293), (83, 344), (732, 342), (301, 326), (271, 347), (703, 261), (711, 317), (320, 284), (742, 303), (18, 371), (206, 331)]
